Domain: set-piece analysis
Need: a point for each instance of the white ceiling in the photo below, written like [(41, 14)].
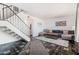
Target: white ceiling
[(48, 10)]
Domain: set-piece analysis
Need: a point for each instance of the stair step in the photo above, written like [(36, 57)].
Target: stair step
[(15, 35), (18, 37), (8, 31), (2, 28), (11, 33)]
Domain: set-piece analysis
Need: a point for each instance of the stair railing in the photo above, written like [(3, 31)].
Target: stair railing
[(9, 13)]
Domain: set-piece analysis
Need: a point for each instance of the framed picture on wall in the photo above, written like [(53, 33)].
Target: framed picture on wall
[(61, 23)]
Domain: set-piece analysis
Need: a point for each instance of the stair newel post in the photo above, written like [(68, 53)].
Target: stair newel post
[(3, 12), (30, 30)]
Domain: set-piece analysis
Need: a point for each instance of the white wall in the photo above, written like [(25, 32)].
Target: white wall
[(37, 26), (70, 21), (6, 38)]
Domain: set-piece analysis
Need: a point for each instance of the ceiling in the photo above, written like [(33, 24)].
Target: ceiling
[(48, 10)]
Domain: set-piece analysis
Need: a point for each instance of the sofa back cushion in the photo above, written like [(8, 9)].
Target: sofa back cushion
[(57, 31)]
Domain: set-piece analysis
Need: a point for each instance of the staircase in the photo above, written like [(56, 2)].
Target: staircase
[(12, 24)]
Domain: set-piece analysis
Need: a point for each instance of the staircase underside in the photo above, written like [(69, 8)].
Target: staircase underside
[(13, 29)]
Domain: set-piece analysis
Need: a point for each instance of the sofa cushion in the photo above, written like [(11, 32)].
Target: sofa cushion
[(57, 31)]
